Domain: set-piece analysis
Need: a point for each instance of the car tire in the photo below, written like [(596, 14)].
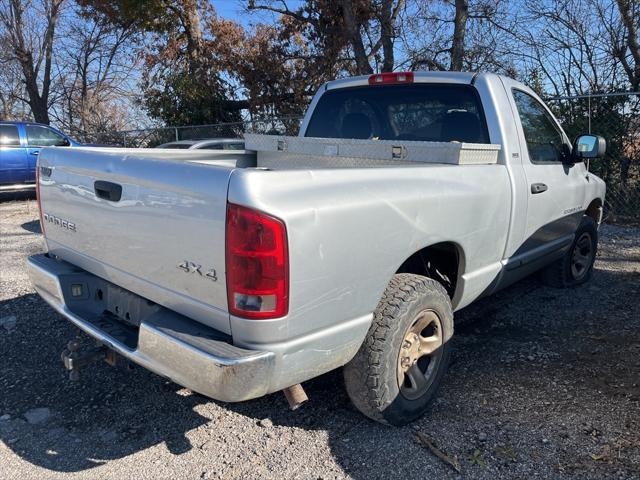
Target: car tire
[(404, 357), (576, 265)]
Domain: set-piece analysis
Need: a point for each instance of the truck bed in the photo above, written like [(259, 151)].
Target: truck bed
[(171, 209), (167, 229), (164, 238)]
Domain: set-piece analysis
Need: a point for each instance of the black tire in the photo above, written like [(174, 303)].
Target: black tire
[(373, 377), (564, 272)]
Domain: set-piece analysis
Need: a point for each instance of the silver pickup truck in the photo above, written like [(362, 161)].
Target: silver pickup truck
[(405, 197)]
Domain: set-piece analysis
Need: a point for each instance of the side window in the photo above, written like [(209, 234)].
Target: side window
[(213, 146), (544, 141), (38, 136), (9, 136)]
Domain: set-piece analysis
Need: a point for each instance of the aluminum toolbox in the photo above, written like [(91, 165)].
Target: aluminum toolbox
[(274, 151)]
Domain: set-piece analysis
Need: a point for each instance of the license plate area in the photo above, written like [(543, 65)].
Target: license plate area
[(116, 329), (127, 306), (111, 309)]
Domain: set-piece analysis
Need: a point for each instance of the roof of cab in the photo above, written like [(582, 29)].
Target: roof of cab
[(20, 122), (418, 77)]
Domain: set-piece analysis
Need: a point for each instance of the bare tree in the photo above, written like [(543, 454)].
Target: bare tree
[(387, 18), (94, 65), (459, 35), (30, 34), (12, 94), (581, 46), (367, 27), (459, 30), (354, 36), (12, 105), (630, 56)]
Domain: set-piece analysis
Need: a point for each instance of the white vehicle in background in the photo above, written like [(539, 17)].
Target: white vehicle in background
[(206, 144), (405, 197)]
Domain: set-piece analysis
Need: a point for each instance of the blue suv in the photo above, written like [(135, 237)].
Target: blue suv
[(20, 144)]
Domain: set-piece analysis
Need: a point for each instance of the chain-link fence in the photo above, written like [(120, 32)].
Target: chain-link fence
[(152, 137), (616, 117)]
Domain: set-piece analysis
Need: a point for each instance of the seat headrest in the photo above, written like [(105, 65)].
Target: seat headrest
[(356, 125), (461, 127)]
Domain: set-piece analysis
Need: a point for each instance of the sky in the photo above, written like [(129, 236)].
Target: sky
[(231, 10), (235, 10)]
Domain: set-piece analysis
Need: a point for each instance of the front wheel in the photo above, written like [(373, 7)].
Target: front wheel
[(576, 266), (401, 363)]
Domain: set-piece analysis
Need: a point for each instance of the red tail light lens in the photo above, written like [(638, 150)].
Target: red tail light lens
[(257, 264), (390, 77)]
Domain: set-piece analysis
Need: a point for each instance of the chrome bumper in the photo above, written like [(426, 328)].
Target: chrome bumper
[(186, 352)]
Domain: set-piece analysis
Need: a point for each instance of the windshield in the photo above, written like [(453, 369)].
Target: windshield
[(420, 112)]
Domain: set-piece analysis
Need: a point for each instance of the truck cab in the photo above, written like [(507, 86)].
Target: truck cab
[(20, 144)]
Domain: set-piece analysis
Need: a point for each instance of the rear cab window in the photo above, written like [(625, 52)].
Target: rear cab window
[(9, 136), (419, 112)]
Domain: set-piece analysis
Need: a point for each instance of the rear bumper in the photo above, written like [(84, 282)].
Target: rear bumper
[(171, 345)]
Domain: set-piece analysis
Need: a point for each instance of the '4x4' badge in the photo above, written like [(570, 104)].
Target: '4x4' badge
[(192, 267)]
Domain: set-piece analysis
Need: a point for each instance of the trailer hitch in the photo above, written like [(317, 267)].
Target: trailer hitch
[(74, 360)]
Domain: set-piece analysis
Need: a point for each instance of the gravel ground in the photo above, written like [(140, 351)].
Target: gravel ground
[(543, 383)]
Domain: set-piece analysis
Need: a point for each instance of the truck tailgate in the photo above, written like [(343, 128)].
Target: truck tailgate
[(152, 225)]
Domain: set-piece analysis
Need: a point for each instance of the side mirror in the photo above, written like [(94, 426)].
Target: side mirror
[(589, 146)]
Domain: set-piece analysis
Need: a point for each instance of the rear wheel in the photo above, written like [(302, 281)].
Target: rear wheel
[(576, 266), (405, 355)]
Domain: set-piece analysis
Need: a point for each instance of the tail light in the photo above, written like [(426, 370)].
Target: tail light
[(257, 264), (390, 78), (38, 197)]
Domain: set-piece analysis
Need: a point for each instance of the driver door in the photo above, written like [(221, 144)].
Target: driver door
[(556, 188)]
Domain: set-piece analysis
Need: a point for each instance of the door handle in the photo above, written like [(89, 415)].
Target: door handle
[(108, 190), (538, 188), (36, 153)]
